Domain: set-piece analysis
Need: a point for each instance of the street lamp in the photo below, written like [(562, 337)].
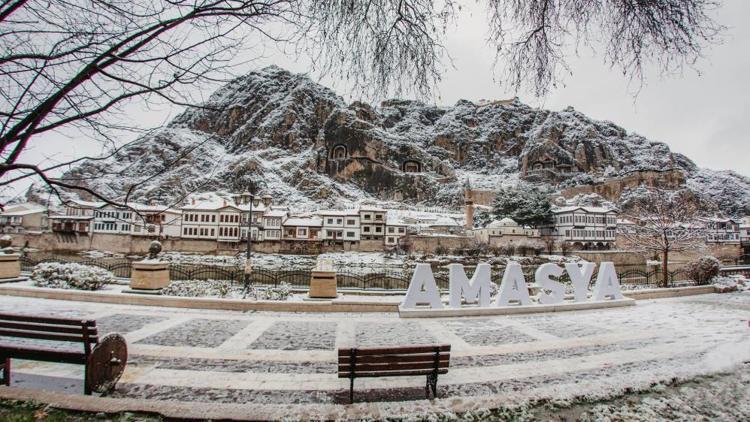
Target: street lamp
[(250, 198)]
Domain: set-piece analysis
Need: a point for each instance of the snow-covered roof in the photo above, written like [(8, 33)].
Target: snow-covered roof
[(505, 222), (22, 209), (593, 210), (394, 220), (445, 221), (337, 212), (372, 208), (206, 206), (719, 220), (154, 208), (303, 221), (275, 213), (77, 203), (261, 207), (71, 217)]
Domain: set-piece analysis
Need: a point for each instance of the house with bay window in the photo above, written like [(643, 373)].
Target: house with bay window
[(583, 227)]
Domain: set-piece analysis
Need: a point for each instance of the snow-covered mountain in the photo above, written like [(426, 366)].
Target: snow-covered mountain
[(300, 142)]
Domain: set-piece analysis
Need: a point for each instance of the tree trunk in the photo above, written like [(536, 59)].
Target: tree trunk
[(665, 268)]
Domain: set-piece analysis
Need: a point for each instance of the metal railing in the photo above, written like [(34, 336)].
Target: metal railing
[(356, 278)]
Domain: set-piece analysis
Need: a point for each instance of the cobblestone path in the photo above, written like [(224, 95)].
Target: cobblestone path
[(282, 362)]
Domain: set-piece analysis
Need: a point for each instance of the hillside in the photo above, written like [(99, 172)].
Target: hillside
[(302, 143)]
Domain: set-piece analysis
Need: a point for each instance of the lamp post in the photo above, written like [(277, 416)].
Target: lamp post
[(251, 198)]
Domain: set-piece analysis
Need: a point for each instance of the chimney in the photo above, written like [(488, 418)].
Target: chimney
[(225, 202), (192, 201)]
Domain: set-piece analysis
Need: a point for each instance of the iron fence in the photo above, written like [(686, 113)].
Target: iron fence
[(118, 267), (359, 278)]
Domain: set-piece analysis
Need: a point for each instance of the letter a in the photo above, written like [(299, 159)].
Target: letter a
[(513, 287), (422, 289), (478, 289), (607, 284), (580, 277), (544, 281)]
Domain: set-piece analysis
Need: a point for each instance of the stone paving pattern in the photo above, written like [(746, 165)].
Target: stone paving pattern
[(197, 333), (282, 359), (298, 335)]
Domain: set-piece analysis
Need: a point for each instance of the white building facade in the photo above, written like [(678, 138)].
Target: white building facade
[(583, 227)]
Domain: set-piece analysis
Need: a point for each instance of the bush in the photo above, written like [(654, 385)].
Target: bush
[(225, 289), (70, 276), (202, 288), (280, 292), (703, 269)]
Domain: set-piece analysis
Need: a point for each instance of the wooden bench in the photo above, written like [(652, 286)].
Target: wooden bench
[(46, 328), (413, 360)]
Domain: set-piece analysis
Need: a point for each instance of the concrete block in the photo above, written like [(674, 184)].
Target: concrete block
[(10, 266), (149, 275)]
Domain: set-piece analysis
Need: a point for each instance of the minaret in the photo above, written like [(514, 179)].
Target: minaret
[(469, 206)]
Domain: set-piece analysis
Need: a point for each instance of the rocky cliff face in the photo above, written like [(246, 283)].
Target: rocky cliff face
[(284, 134)]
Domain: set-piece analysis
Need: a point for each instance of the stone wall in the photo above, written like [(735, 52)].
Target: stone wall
[(617, 257), (127, 244), (428, 244), (613, 188)]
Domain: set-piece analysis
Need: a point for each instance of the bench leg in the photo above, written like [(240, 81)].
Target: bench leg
[(6, 372), (86, 387), (431, 385), (351, 390)]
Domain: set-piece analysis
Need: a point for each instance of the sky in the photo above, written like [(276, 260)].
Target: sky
[(702, 112)]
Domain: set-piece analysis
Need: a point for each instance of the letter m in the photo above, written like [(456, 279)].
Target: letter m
[(475, 290)]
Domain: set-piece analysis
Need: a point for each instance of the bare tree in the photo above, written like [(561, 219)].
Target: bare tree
[(72, 65), (665, 222)]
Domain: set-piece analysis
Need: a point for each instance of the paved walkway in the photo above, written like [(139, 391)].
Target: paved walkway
[(283, 364)]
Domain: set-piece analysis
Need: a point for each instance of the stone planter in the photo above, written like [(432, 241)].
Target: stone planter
[(323, 285), (149, 275), (10, 266)]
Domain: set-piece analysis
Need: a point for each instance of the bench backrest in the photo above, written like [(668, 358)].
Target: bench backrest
[(49, 328), (387, 361)]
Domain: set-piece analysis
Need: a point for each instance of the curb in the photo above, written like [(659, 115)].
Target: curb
[(335, 305)]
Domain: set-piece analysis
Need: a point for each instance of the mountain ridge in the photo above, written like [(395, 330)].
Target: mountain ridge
[(301, 142)]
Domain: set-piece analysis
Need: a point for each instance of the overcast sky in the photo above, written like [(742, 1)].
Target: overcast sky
[(702, 113)]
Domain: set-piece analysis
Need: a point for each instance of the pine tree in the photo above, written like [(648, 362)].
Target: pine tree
[(530, 207)]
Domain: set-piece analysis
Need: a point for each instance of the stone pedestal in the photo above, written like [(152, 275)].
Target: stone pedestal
[(10, 266), (149, 275), (323, 284)]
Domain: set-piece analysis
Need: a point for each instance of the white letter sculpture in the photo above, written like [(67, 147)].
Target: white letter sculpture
[(422, 289), (478, 289), (545, 282), (513, 286), (607, 284), (580, 277)]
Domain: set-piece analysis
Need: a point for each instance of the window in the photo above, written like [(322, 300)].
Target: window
[(401, 230), (338, 221), (350, 222), (350, 234), (378, 229), (366, 216), (366, 229), (330, 221), (302, 232), (390, 230)]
